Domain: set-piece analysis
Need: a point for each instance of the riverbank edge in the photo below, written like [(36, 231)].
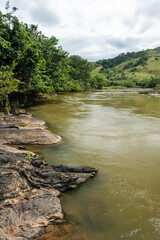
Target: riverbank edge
[(155, 92), (28, 185)]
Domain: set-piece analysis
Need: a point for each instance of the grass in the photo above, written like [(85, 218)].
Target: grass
[(126, 71)]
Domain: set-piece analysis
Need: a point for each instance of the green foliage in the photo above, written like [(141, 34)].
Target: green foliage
[(115, 87), (140, 69), (141, 61), (32, 64), (98, 80), (128, 65), (113, 62), (19, 45), (8, 85), (80, 70), (44, 164), (29, 157)]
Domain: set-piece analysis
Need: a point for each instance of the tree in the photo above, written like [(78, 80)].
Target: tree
[(80, 70), (8, 85), (98, 80)]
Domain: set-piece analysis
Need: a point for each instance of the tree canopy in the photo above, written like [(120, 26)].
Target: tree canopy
[(32, 63)]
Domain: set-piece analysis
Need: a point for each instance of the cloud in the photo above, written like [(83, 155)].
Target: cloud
[(123, 43), (95, 29), (74, 44), (146, 26), (150, 9), (44, 15)]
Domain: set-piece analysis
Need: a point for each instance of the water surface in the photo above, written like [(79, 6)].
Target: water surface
[(118, 133)]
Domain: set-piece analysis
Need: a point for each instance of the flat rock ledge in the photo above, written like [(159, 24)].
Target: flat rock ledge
[(23, 128), (29, 189)]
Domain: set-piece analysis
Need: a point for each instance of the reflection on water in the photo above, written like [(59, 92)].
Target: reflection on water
[(119, 133)]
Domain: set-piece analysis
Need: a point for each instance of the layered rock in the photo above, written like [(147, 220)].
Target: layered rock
[(18, 173), (28, 187), (26, 216), (23, 128)]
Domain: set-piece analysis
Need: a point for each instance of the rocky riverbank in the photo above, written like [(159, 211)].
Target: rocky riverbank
[(29, 189), (155, 92)]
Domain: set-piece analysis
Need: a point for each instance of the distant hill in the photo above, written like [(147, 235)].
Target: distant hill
[(132, 69)]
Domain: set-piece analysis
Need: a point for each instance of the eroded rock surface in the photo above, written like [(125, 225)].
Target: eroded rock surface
[(28, 187), (23, 128), (18, 173), (26, 216)]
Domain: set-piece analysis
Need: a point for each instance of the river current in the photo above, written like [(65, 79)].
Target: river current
[(118, 132)]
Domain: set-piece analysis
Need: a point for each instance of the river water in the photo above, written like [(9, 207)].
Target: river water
[(118, 133)]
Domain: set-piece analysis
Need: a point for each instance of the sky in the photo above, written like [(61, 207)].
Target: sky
[(94, 29)]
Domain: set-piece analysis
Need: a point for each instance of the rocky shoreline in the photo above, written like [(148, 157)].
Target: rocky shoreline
[(155, 92), (29, 189)]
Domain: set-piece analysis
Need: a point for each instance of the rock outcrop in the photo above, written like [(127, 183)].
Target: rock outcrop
[(23, 128), (26, 216), (28, 187)]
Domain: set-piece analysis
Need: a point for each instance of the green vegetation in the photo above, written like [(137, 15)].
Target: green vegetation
[(29, 157), (32, 64), (43, 164), (136, 69)]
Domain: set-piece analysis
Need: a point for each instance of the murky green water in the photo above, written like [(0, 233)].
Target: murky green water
[(118, 133)]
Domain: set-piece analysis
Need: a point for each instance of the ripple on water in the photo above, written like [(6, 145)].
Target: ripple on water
[(119, 133)]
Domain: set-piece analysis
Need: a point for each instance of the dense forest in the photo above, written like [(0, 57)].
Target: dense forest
[(32, 64)]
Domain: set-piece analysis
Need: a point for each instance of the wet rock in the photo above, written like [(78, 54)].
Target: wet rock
[(39, 175), (62, 181), (62, 168), (48, 177), (65, 178)]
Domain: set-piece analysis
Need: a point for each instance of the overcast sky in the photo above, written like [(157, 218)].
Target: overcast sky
[(94, 29)]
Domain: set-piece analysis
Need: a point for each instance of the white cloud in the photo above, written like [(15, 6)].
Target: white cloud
[(95, 29)]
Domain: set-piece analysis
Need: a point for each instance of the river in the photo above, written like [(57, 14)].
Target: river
[(118, 132)]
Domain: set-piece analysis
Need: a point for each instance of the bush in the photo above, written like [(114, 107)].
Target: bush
[(8, 85)]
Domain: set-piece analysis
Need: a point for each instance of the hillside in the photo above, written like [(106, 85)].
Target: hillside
[(132, 69)]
